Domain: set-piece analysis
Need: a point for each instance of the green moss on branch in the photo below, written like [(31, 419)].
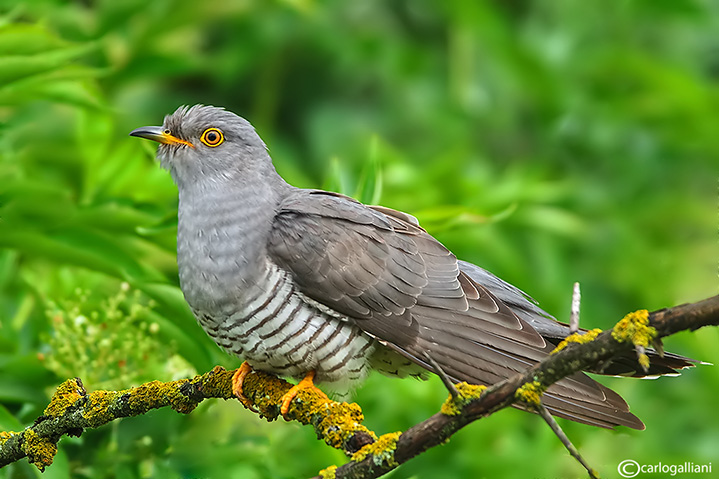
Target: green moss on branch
[(72, 409)]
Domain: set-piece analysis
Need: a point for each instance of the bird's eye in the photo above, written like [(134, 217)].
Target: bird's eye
[(166, 131), (212, 137)]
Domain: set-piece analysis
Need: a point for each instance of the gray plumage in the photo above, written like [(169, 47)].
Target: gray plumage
[(294, 280)]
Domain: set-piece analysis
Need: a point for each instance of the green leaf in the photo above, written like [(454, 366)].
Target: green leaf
[(451, 216), (81, 247), (334, 180), (24, 379), (27, 39), (17, 67), (114, 216), (369, 189), (8, 422), (51, 248)]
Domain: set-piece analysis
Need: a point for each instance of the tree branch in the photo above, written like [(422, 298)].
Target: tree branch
[(72, 408), (574, 357)]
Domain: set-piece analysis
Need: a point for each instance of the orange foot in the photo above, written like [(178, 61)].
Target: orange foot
[(306, 383), (237, 380)]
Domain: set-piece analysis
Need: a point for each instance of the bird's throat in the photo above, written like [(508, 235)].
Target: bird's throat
[(221, 243)]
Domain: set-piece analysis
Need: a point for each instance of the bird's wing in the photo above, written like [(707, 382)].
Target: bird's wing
[(377, 267)]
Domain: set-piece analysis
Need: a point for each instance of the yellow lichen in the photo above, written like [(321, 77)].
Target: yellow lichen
[(5, 435), (644, 361), (336, 423), (265, 392), (578, 338), (217, 383), (530, 393), (467, 393), (146, 396), (96, 410), (178, 401), (328, 473), (634, 327), (382, 450), (39, 450), (308, 402), (66, 395)]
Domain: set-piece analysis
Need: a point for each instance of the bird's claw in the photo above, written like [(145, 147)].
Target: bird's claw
[(237, 379), (306, 383)]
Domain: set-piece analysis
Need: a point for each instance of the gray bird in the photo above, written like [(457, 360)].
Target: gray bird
[(315, 285)]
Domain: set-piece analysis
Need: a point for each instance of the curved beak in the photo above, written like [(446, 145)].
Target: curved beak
[(158, 134)]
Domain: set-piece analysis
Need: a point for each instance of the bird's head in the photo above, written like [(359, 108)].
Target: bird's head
[(206, 143)]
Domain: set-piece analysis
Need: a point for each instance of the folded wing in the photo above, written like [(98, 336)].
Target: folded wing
[(378, 268)]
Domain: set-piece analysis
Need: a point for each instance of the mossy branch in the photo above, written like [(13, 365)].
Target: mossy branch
[(572, 357), (72, 408)]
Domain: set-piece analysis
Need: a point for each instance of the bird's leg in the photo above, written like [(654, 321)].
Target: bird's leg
[(306, 383), (237, 380)]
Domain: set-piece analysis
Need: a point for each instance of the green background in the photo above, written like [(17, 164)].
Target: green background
[(549, 142)]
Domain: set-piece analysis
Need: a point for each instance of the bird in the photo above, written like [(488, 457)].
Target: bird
[(316, 286)]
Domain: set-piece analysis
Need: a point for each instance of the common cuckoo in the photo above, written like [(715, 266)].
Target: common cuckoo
[(315, 285)]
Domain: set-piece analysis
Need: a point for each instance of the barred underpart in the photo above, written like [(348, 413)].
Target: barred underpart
[(283, 332)]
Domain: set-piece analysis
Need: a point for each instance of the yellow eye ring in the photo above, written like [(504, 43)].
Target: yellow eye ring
[(212, 137)]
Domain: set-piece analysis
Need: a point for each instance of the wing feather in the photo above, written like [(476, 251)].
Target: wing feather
[(378, 267)]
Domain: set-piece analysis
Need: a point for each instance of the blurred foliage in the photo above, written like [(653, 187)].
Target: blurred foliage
[(111, 346), (550, 142)]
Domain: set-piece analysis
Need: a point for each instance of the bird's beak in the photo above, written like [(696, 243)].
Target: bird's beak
[(157, 133)]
